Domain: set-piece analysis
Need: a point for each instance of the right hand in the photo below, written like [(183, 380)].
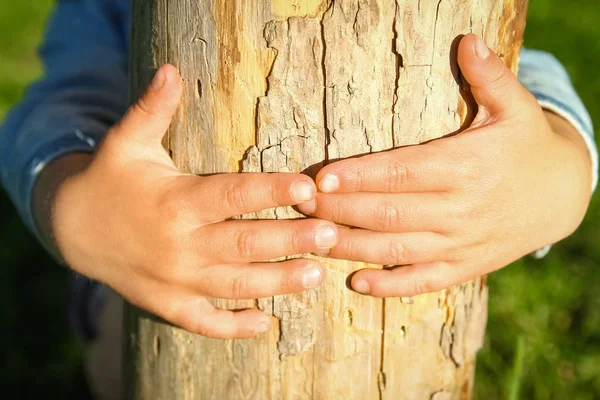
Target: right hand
[(164, 240)]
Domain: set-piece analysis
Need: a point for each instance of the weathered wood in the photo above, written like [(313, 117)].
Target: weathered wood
[(274, 85)]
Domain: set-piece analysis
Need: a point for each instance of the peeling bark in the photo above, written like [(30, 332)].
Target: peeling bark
[(286, 86)]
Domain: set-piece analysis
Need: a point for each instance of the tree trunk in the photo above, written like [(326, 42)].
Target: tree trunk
[(276, 85)]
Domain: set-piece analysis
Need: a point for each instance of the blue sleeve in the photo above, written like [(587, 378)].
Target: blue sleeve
[(83, 92), (544, 76)]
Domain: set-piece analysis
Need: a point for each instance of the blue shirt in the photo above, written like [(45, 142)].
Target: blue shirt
[(84, 92)]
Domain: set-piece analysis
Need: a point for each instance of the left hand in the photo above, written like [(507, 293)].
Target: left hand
[(457, 208)]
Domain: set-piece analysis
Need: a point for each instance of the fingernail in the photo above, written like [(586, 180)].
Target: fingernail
[(309, 207), (159, 79), (311, 277), (362, 287), (302, 191), (262, 327), (329, 183), (325, 237), (481, 49)]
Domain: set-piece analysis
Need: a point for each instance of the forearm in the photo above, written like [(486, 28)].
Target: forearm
[(566, 130), (577, 163), (81, 95), (44, 193), (544, 76)]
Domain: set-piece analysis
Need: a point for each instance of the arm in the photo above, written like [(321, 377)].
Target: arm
[(69, 110), (544, 76)]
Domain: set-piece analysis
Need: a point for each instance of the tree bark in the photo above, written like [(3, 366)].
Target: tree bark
[(285, 86)]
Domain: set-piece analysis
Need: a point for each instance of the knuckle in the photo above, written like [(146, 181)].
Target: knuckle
[(460, 245), (286, 279), (245, 244), (465, 172), (489, 183), (387, 217), (274, 193), (142, 107), (295, 242), (465, 212), (170, 208), (396, 254), (359, 178), (351, 250), (239, 286), (235, 196), (338, 210), (397, 174), (421, 286), (500, 78)]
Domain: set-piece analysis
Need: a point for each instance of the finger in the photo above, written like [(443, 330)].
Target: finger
[(224, 196), (252, 281), (408, 281), (149, 118), (196, 315), (390, 248), (404, 212), (409, 169), (244, 241), (493, 84)]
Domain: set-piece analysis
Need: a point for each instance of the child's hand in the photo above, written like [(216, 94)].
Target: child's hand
[(163, 239), (460, 207)]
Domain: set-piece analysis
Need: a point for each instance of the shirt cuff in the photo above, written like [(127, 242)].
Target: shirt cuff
[(24, 183), (541, 253)]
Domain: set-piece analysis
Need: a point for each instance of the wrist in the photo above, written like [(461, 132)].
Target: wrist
[(575, 168), (575, 146), (565, 129), (45, 192)]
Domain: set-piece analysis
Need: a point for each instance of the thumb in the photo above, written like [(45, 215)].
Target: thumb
[(149, 118), (493, 84)]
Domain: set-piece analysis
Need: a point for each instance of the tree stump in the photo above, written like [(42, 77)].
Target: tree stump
[(285, 86)]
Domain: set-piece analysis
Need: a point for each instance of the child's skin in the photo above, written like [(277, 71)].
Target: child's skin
[(453, 209), (457, 208)]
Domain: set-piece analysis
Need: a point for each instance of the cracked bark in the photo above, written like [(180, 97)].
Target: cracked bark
[(279, 85)]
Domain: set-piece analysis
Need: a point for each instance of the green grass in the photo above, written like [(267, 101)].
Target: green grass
[(543, 339), (21, 25)]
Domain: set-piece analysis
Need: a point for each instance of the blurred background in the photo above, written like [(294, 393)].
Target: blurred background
[(543, 337)]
